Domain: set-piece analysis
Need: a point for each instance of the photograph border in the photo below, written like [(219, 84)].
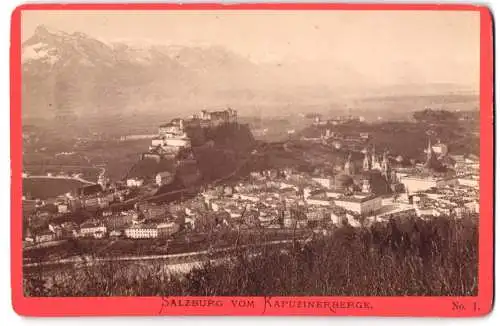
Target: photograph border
[(247, 306)]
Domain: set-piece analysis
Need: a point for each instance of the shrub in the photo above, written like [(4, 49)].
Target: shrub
[(410, 257)]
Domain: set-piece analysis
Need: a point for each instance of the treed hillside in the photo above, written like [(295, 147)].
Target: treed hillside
[(235, 137), (219, 151), (405, 258), (409, 138), (226, 148)]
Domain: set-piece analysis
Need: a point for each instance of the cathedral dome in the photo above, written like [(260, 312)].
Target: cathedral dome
[(367, 175), (342, 182), (378, 183)]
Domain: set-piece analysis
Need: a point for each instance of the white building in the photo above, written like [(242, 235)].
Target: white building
[(142, 231), (337, 218), (115, 233), (217, 117), (172, 128), (92, 229), (135, 182), (164, 178), (62, 208), (316, 215), (470, 181), (169, 140), (472, 206), (289, 222), (415, 183), (353, 221), (440, 149), (157, 141), (397, 212), (319, 201), (103, 202), (176, 142), (334, 194), (95, 202), (325, 182), (360, 203), (167, 229), (45, 236), (249, 197)]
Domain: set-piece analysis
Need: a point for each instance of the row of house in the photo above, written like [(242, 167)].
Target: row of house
[(99, 229)]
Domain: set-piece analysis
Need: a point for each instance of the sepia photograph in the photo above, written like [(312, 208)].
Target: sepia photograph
[(250, 153)]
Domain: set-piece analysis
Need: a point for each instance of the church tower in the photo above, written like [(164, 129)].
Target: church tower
[(349, 166), (102, 181), (385, 167), (394, 177), (375, 163), (366, 186), (367, 164), (432, 162)]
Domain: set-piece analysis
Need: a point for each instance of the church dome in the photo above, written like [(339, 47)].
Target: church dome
[(367, 175), (447, 161), (378, 183), (342, 182)]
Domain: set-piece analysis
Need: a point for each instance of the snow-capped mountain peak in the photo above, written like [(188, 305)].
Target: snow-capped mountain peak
[(75, 72)]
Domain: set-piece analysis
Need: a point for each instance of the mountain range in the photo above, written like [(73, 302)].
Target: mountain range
[(76, 75)]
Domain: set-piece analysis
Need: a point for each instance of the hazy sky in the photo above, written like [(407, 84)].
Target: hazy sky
[(390, 46)]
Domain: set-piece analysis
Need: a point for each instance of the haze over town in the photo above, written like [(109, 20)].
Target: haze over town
[(268, 62)]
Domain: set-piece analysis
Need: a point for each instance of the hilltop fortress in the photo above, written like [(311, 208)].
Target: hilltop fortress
[(186, 150)]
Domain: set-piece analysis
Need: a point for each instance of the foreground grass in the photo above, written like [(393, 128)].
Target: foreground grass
[(410, 257)]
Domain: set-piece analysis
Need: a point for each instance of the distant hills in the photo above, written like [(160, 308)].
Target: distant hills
[(70, 75)]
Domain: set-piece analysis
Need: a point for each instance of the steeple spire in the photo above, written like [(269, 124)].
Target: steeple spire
[(385, 166), (429, 150), (367, 164), (348, 166), (432, 162), (374, 161)]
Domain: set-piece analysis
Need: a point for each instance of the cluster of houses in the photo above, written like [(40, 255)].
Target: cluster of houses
[(274, 198), (287, 199), (354, 141), (92, 197), (145, 222), (441, 170), (378, 193), (169, 153), (456, 200)]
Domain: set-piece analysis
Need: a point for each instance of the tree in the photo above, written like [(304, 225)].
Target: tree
[(429, 116)]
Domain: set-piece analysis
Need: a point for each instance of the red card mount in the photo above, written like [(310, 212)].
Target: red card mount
[(449, 306)]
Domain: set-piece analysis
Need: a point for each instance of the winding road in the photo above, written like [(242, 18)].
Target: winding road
[(197, 256)]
